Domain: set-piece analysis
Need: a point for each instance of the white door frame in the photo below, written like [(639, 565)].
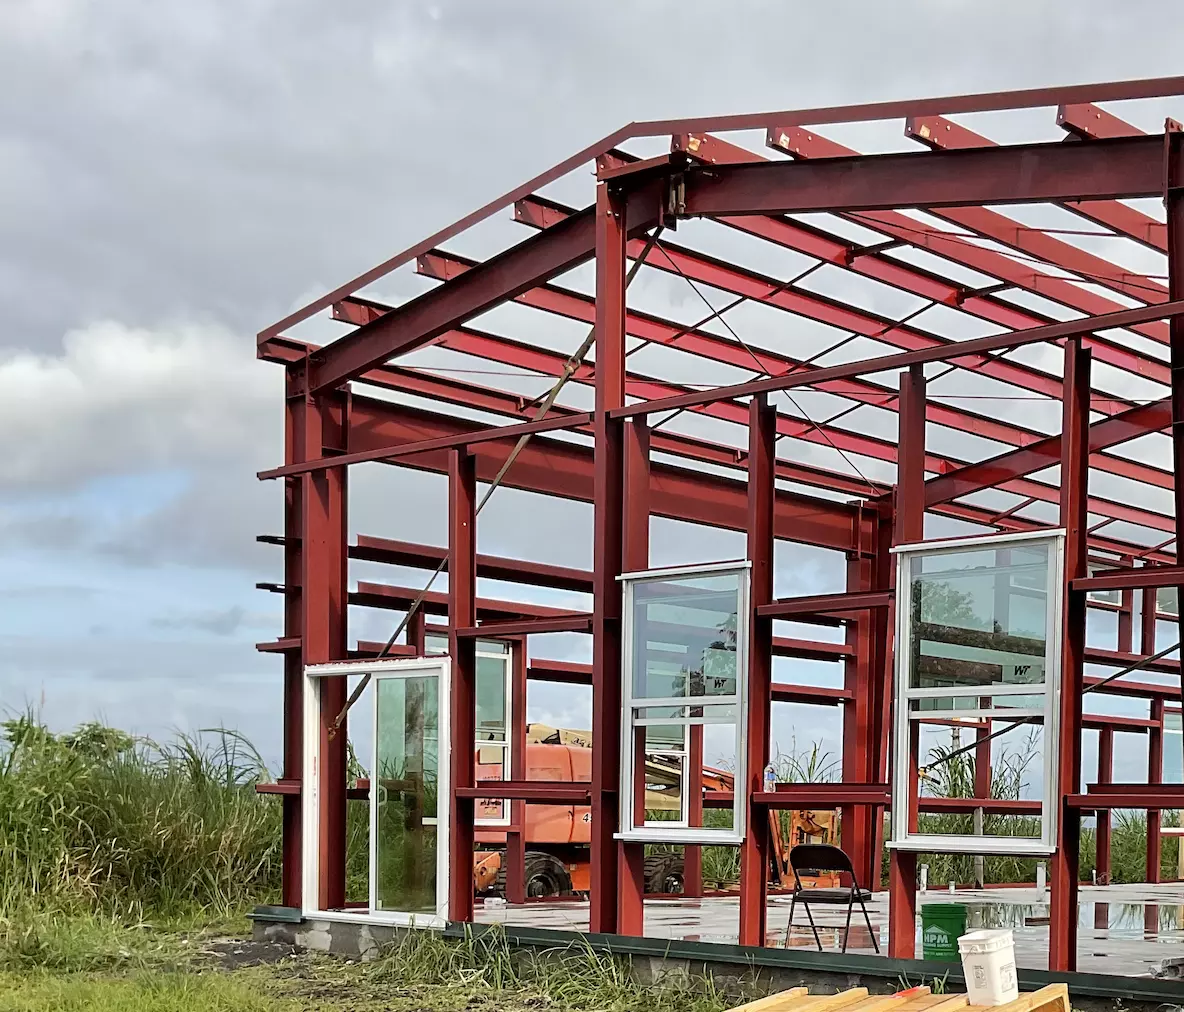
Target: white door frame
[(441, 666)]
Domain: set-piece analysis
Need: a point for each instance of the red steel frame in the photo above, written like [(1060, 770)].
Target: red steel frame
[(621, 457)]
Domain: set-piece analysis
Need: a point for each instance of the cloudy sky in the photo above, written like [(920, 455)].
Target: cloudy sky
[(173, 177)]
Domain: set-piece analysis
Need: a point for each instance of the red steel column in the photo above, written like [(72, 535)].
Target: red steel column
[(1154, 738), (1155, 776), (462, 613), (635, 557), (516, 842), (754, 852), (1105, 776), (909, 528), (608, 515), (1174, 201), (1074, 479), (858, 825), (294, 451), (883, 675), (323, 605)]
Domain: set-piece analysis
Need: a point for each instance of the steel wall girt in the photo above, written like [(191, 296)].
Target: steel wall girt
[(563, 469), (471, 395)]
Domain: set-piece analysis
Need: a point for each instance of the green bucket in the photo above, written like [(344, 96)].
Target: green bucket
[(942, 924)]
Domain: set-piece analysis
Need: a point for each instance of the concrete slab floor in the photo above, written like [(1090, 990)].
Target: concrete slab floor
[(1123, 929)]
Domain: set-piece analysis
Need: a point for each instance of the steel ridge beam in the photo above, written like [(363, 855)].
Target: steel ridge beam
[(1116, 429), (1023, 173), (903, 360), (523, 266), (1100, 92), (565, 470), (807, 144)]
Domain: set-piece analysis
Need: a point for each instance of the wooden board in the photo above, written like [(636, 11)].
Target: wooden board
[(1053, 998)]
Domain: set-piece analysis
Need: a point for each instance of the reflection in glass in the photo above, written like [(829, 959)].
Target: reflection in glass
[(404, 786), (979, 618), (684, 637)]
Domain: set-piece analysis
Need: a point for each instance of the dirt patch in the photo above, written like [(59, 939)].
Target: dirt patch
[(235, 953)]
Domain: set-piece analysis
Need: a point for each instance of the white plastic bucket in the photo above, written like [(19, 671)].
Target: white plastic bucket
[(988, 960)]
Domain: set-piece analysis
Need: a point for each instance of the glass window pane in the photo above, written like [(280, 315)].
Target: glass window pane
[(1016, 775), (979, 617), (1167, 600), (435, 644), (1173, 749), (491, 698), (404, 788), (684, 636)]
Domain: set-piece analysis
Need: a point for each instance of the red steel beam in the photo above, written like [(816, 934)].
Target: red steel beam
[(537, 792), (1102, 830), (566, 470), (569, 622), (383, 595), (1086, 121), (1074, 477), (462, 612), (489, 567), (611, 235), (939, 133), (1133, 579), (811, 695), (401, 450), (500, 350), (523, 266), (1022, 173), (1174, 199), (754, 850), (803, 144), (678, 260), (908, 528), (835, 114), (635, 558), (325, 422), (1155, 778), (1118, 428), (883, 363), (825, 604)]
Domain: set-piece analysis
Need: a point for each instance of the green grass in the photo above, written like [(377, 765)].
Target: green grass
[(141, 992)]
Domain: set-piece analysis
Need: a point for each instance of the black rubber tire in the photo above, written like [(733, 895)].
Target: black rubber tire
[(664, 874), (546, 875)]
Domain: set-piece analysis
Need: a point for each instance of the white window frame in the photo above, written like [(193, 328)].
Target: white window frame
[(507, 657), (902, 839), (441, 666), (680, 832)]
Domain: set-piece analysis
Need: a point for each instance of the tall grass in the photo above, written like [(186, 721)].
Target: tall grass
[(565, 978), (99, 823)]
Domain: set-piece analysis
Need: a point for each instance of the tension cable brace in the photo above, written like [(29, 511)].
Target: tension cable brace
[(569, 368)]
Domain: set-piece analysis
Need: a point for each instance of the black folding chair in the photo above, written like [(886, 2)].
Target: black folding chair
[(812, 858)]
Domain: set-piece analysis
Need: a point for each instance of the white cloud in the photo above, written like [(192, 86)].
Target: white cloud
[(123, 400)]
